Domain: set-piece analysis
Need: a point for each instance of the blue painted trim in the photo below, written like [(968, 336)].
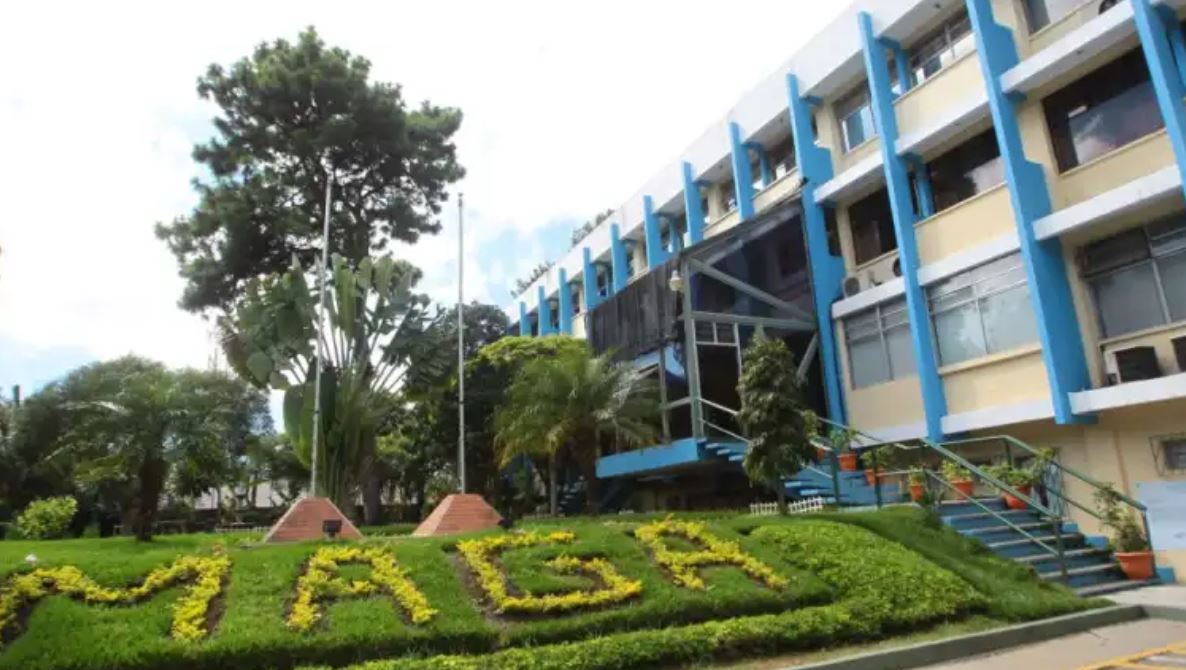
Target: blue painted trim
[(898, 186), (763, 162), (524, 321), (681, 452), (743, 177), (1166, 574), (565, 303), (1096, 541), (545, 313), (827, 270), (1046, 272), (592, 299), (694, 214), (621, 274), (656, 254), (1161, 37), (1070, 527), (922, 189), (902, 63)]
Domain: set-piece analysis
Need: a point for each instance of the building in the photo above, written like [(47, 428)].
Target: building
[(990, 200)]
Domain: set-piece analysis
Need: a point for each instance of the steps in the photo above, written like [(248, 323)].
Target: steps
[(1089, 570), (814, 481)]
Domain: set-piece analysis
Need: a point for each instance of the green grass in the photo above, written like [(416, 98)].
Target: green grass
[(733, 616)]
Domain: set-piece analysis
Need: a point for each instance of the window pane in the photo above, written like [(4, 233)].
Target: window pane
[(901, 351), (1115, 252), (1173, 280), (1008, 319), (958, 335), (869, 365), (872, 227), (1127, 300), (1044, 12), (861, 325)]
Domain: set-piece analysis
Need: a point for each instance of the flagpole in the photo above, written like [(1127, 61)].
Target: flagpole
[(461, 340), (320, 327)]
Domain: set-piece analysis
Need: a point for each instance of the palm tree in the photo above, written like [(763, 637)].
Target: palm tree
[(571, 405)]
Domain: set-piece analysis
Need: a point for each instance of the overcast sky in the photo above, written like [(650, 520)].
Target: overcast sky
[(569, 107)]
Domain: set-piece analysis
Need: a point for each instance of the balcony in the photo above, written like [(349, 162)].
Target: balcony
[(1004, 379), (976, 221), (1161, 377), (778, 190), (1113, 169), (951, 88)]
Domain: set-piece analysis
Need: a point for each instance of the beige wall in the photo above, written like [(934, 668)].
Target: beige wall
[(923, 104), (777, 190), (975, 221), (1116, 168), (1002, 379), (894, 403)]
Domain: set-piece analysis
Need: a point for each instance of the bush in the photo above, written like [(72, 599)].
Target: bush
[(48, 518)]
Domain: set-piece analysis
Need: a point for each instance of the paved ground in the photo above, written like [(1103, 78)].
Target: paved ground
[(1075, 651), (1164, 596)]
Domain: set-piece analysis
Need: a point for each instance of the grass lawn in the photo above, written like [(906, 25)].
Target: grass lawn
[(851, 577)]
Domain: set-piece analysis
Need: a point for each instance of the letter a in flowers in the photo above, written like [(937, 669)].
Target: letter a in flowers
[(685, 566), (321, 583)]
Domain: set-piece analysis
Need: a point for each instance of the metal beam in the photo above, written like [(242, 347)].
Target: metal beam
[(808, 354), (796, 325), (692, 363), (708, 270)]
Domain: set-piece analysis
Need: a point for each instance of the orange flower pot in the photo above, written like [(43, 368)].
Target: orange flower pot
[(871, 477), (848, 462), (1013, 502), (916, 492), (964, 487), (1137, 565), (821, 455)]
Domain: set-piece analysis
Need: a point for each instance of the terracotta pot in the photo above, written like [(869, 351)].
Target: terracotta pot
[(1013, 502), (848, 462), (917, 491), (1137, 565), (871, 477), (964, 487), (821, 455)]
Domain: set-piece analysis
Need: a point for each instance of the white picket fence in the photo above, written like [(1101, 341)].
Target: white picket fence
[(804, 506)]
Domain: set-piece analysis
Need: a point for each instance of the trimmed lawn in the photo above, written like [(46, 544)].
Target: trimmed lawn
[(849, 577)]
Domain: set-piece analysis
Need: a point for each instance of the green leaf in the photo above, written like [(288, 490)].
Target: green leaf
[(260, 365)]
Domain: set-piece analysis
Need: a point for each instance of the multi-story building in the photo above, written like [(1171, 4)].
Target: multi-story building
[(988, 196)]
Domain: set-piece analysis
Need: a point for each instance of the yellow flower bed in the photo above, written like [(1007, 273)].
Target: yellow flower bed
[(205, 574), (685, 565), (479, 555), (319, 583)]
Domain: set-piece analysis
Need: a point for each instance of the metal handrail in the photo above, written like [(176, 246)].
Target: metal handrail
[(726, 431), (727, 410)]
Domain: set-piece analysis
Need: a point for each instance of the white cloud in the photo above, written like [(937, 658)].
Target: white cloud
[(568, 109)]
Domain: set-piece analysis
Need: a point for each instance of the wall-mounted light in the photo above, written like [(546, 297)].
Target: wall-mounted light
[(675, 282)]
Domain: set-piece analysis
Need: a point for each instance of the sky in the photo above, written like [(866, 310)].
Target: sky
[(569, 107)]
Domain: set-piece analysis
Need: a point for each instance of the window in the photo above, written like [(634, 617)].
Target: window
[(602, 281), (576, 300), (856, 118), (1138, 278), (727, 197), (1173, 453), (941, 48), (973, 167), (984, 311), (1103, 111), (872, 225), (782, 158), (1042, 13), (879, 346)]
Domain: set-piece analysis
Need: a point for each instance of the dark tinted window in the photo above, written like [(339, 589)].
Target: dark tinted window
[(970, 168), (872, 226)]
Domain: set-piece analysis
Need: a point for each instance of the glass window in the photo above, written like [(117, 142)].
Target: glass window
[(1138, 277), (1042, 13), (983, 311), (973, 167), (727, 197), (782, 158), (1174, 451), (872, 226), (879, 344), (941, 48), (1103, 111), (856, 118)]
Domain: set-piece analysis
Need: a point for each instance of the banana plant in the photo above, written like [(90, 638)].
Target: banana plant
[(377, 336)]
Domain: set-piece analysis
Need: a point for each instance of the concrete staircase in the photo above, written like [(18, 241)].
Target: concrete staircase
[(1091, 570), (814, 481)]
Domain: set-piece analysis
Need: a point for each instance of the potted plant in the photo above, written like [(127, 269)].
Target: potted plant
[(811, 428), (958, 477), (875, 462), (1021, 480), (842, 440), (918, 484), (1128, 542)]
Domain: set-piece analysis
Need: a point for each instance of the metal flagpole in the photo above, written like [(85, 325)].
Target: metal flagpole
[(461, 340), (320, 327)]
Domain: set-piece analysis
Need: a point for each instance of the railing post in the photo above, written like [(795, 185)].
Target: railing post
[(876, 482), (833, 460), (1058, 544)]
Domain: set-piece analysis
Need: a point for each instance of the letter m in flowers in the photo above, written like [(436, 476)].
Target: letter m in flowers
[(685, 566), (192, 616), (321, 583)]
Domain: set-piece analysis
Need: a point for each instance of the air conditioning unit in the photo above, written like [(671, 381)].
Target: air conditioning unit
[(1136, 364), (886, 270), (852, 286)]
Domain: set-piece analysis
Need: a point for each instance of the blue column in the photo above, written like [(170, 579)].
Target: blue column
[(902, 64), (763, 162), (827, 270), (1050, 290), (619, 261), (743, 177), (1162, 42), (545, 313), (589, 277), (656, 254), (922, 188), (565, 303), (898, 186), (695, 214), (524, 321)]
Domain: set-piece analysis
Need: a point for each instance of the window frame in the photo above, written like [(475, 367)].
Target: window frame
[(977, 297), (880, 314), (943, 33), (860, 92), (1151, 257)]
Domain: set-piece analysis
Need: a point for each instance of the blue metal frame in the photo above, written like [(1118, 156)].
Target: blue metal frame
[(656, 254), (524, 320), (827, 270), (1165, 52), (693, 212), (922, 187), (1050, 289), (743, 176), (565, 303), (898, 187), (545, 313), (680, 452), (763, 162), (592, 299), (619, 262)]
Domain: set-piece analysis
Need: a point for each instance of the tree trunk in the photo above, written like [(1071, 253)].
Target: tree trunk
[(592, 486), (780, 490), (372, 499), (553, 492), (152, 482)]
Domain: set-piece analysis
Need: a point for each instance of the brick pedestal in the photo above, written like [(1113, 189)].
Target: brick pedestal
[(459, 513), (303, 520)]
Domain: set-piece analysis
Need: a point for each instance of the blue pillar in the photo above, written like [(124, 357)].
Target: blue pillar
[(827, 270), (545, 313), (1162, 42), (743, 177), (565, 303), (656, 254), (695, 214), (922, 188), (1050, 290), (524, 321), (763, 162), (619, 261), (898, 187), (590, 275), (902, 64)]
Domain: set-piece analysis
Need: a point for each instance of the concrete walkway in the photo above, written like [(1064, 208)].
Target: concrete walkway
[(1173, 596), (1074, 651)]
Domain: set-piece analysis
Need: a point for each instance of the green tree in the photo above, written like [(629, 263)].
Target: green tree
[(772, 415), (293, 116), (376, 339), (573, 405)]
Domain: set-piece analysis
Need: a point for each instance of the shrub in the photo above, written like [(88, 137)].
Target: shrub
[(48, 518)]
